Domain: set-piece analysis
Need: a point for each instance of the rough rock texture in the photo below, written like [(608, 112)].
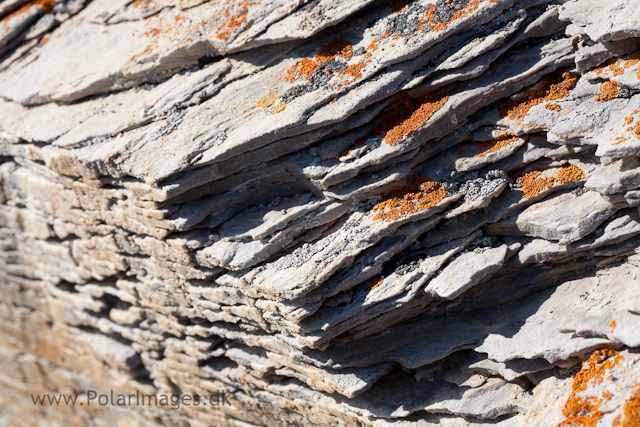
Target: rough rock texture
[(337, 213)]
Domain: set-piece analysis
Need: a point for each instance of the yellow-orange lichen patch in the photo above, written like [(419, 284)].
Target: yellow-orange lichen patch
[(233, 21), (619, 140), (569, 173), (374, 282), (532, 185), (269, 99), (353, 72), (45, 5), (161, 28), (585, 412), (613, 325), (399, 109), (358, 144), (617, 66), (631, 410), (488, 147), (551, 88), (303, 68), (631, 124), (143, 3), (419, 194), (429, 21), (471, 7), (552, 107), (306, 67), (431, 103), (608, 91), (333, 49)]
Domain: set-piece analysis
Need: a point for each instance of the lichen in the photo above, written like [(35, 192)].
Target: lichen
[(619, 140), (631, 409), (585, 411), (402, 117), (569, 173), (532, 185), (374, 282), (551, 88), (613, 325), (142, 3), (495, 144), (401, 23), (632, 125), (617, 66), (45, 5), (608, 91), (419, 194), (268, 101), (430, 104), (307, 68), (233, 22)]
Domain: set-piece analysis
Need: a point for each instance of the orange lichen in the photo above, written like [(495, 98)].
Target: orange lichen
[(569, 173), (233, 22), (495, 144), (550, 89), (305, 67), (168, 30), (45, 5), (44, 40), (399, 109), (152, 33), (532, 185), (332, 50), (143, 3), (613, 325), (608, 91), (631, 124), (631, 410), (374, 282), (471, 7), (429, 20), (419, 194), (358, 144), (354, 71), (617, 66), (585, 412), (552, 107), (402, 118), (619, 140), (430, 105)]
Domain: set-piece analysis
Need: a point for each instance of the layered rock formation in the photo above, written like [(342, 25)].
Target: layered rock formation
[(335, 213)]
